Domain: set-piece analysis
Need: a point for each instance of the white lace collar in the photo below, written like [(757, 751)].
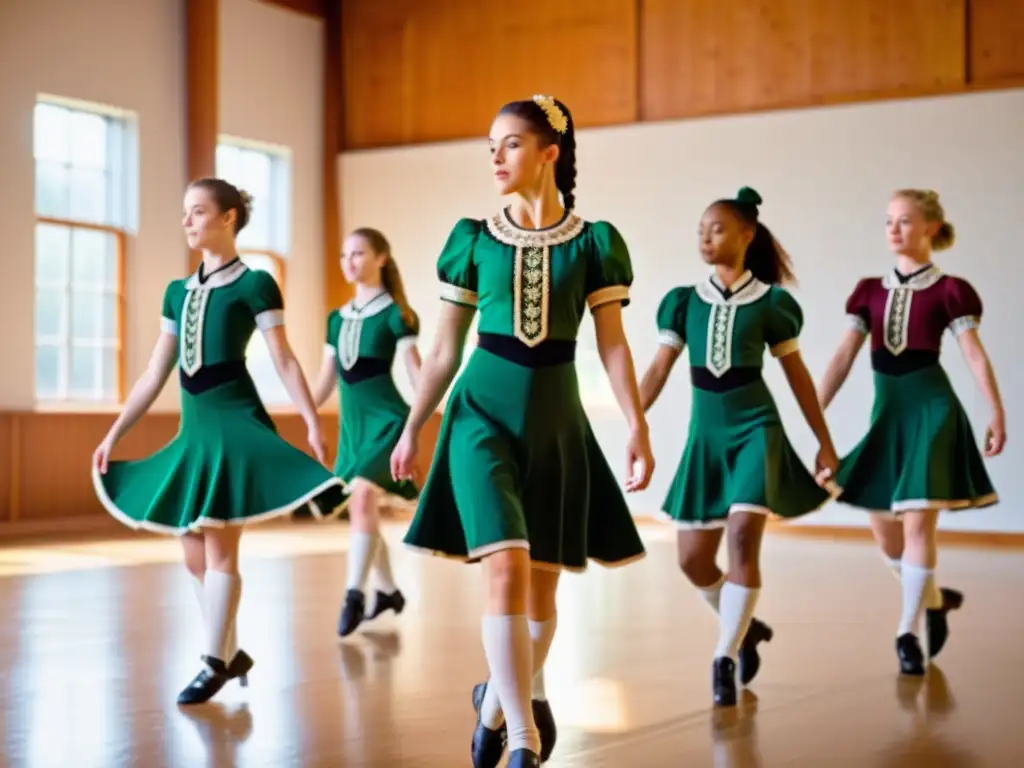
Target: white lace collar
[(374, 306), (745, 290), (501, 228), (922, 278), (220, 277)]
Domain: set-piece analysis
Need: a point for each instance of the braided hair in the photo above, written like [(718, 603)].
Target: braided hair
[(541, 125)]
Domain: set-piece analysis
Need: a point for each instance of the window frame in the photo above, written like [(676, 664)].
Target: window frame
[(123, 198)]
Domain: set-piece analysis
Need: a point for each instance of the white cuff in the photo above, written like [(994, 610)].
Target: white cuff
[(965, 323), (785, 348), (458, 295), (270, 319), (168, 326), (670, 339), (607, 295), (856, 322), (329, 352)]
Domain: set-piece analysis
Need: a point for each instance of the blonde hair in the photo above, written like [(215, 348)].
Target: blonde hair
[(927, 202), (389, 276)]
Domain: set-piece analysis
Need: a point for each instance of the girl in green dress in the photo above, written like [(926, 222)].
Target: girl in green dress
[(919, 454), (518, 480), (363, 338), (227, 466), (738, 466)]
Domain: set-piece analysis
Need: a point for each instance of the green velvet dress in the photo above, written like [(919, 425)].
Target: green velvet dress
[(362, 342), (517, 464), (737, 456), (227, 465)]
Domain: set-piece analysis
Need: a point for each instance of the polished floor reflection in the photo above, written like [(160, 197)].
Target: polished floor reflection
[(98, 637)]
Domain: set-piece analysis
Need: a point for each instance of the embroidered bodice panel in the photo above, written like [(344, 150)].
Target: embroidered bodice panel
[(215, 318), (372, 330), (912, 312), (534, 284), (730, 328)]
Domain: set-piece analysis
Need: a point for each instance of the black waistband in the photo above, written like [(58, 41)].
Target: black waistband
[(908, 361), (210, 376), (365, 368), (734, 378), (548, 352)]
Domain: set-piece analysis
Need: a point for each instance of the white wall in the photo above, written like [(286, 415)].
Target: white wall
[(131, 55), (271, 90), (125, 55), (825, 174)]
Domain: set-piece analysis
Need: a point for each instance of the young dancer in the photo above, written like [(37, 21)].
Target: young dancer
[(227, 466), (363, 338), (738, 466), (518, 480), (919, 455)]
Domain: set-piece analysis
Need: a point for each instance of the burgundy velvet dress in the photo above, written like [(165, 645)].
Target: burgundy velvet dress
[(920, 451)]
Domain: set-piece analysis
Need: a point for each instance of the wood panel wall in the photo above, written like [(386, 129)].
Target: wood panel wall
[(431, 70), (45, 464)]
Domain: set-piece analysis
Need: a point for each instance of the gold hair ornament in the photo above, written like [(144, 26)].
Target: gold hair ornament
[(556, 117)]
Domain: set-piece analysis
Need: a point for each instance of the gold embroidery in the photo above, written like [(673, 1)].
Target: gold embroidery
[(532, 287), (897, 319)]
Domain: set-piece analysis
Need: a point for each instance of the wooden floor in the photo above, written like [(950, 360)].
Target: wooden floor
[(98, 638)]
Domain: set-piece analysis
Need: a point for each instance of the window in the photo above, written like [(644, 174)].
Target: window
[(264, 172), (84, 199)]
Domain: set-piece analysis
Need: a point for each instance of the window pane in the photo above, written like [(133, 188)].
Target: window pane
[(86, 316), (53, 248), (47, 372), (88, 140), (51, 131), (85, 364), (52, 189), (92, 259), (108, 373), (264, 374), (88, 198), (228, 165), (50, 312), (263, 263), (108, 316)]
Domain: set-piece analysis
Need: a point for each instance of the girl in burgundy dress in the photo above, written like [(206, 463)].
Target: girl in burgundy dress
[(919, 455)]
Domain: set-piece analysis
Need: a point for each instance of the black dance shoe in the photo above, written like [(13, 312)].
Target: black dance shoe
[(544, 719), (524, 758), (352, 613), (214, 675), (384, 601), (723, 682), (488, 745), (937, 622), (908, 649), (749, 659)]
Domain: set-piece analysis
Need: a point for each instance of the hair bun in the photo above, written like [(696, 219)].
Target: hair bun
[(749, 196), (246, 198)]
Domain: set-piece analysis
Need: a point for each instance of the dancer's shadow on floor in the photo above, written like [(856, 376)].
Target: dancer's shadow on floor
[(222, 729), (930, 702), (734, 734)]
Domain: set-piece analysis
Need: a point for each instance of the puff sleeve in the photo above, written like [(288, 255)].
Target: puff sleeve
[(265, 300), (400, 327), (171, 309), (784, 322), (455, 267), (858, 312), (963, 306), (333, 329), (671, 318), (609, 269)]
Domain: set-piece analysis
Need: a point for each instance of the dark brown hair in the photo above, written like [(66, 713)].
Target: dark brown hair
[(565, 169), (390, 276), (228, 197), (765, 258)]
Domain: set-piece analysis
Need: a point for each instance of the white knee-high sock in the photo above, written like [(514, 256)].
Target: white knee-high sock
[(934, 596), (895, 565), (197, 587), (223, 593), (917, 585), (735, 610), (361, 549), (713, 594), (542, 633), (382, 568), (509, 653), (232, 639)]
